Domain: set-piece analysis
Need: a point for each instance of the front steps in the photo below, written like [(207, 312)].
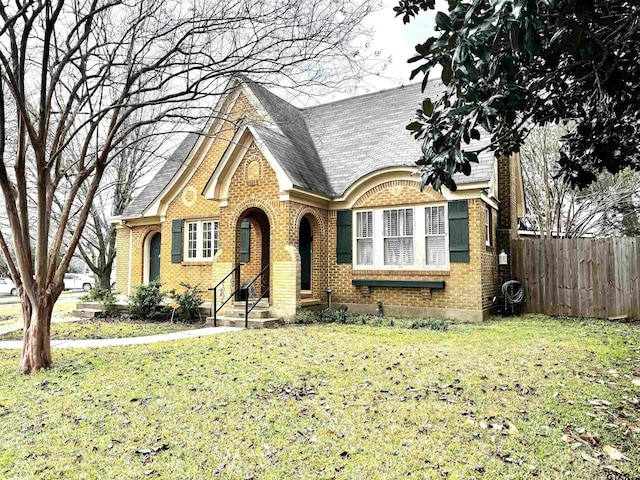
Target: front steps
[(94, 309), (259, 317)]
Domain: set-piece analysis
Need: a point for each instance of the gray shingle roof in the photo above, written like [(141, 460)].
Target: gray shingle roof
[(363, 134), (298, 156), (324, 149), (162, 177)]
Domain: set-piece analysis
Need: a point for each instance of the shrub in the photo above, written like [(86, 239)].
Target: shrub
[(436, 324), (188, 302), (146, 302), (97, 294), (331, 315), (105, 297), (306, 316)]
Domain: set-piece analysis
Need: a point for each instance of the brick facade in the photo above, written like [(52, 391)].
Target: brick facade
[(255, 194)]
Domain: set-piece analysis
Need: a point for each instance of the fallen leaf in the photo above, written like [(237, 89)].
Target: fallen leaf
[(590, 459), (613, 453), (512, 430), (636, 382), (613, 469)]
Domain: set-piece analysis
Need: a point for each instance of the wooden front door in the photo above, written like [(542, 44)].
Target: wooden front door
[(305, 243), (154, 257)]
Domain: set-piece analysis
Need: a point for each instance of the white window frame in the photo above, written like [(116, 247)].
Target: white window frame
[(445, 234), (360, 238), (419, 239), (199, 240), (487, 225), (400, 233)]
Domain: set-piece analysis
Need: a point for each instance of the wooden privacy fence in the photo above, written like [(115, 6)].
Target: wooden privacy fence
[(579, 277)]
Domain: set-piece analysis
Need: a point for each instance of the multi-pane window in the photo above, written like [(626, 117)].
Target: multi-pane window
[(435, 235), (398, 236), (409, 238), (192, 240), (207, 239), (203, 240), (364, 238)]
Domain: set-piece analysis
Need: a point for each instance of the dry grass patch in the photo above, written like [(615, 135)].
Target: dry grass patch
[(527, 397), (106, 328)]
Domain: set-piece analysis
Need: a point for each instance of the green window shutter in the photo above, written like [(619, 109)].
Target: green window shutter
[(176, 241), (458, 231), (245, 240), (343, 240)]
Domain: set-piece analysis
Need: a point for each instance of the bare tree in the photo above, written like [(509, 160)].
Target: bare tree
[(554, 208), (83, 73), (120, 183)]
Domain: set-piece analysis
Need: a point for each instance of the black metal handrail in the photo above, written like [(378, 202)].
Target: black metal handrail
[(214, 308), (248, 310)]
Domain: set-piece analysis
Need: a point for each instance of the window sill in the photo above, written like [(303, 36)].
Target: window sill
[(397, 283), (196, 263), (395, 273)]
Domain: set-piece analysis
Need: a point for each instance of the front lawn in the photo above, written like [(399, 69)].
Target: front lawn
[(528, 397), (12, 313), (106, 328)]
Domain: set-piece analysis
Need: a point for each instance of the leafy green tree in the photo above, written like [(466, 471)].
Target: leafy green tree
[(509, 65)]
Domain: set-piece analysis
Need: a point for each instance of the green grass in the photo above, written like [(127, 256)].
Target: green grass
[(332, 401), (106, 328)]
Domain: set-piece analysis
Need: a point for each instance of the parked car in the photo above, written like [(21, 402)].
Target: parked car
[(76, 281), (8, 287)]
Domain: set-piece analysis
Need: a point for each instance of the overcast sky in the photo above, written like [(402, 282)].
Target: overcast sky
[(396, 43), (396, 40)]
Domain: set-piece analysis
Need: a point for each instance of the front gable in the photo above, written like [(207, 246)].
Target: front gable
[(238, 105), (246, 141)]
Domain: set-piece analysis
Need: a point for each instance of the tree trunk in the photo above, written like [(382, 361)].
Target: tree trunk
[(36, 345), (104, 278)]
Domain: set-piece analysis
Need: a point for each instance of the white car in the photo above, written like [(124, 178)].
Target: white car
[(76, 281), (8, 287)]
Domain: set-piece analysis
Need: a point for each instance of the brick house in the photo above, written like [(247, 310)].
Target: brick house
[(321, 198)]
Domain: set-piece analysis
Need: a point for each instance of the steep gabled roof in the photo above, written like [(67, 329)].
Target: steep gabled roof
[(326, 148), (290, 137), (162, 177)]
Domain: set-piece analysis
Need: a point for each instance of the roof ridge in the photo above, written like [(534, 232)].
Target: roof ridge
[(369, 94)]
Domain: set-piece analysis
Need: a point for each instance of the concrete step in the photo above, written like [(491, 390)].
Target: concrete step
[(86, 313), (257, 312), (310, 302), (264, 303), (239, 322), (98, 306)]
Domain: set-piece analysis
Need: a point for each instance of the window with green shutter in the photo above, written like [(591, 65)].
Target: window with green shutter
[(245, 241), (343, 240), (458, 231), (176, 241)]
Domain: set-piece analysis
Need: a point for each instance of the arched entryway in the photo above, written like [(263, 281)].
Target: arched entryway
[(152, 257), (305, 247), (253, 250)]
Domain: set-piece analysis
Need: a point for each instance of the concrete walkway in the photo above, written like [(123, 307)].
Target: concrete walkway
[(112, 342)]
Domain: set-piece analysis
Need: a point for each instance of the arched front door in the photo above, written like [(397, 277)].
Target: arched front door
[(304, 245), (154, 257), (253, 251)]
